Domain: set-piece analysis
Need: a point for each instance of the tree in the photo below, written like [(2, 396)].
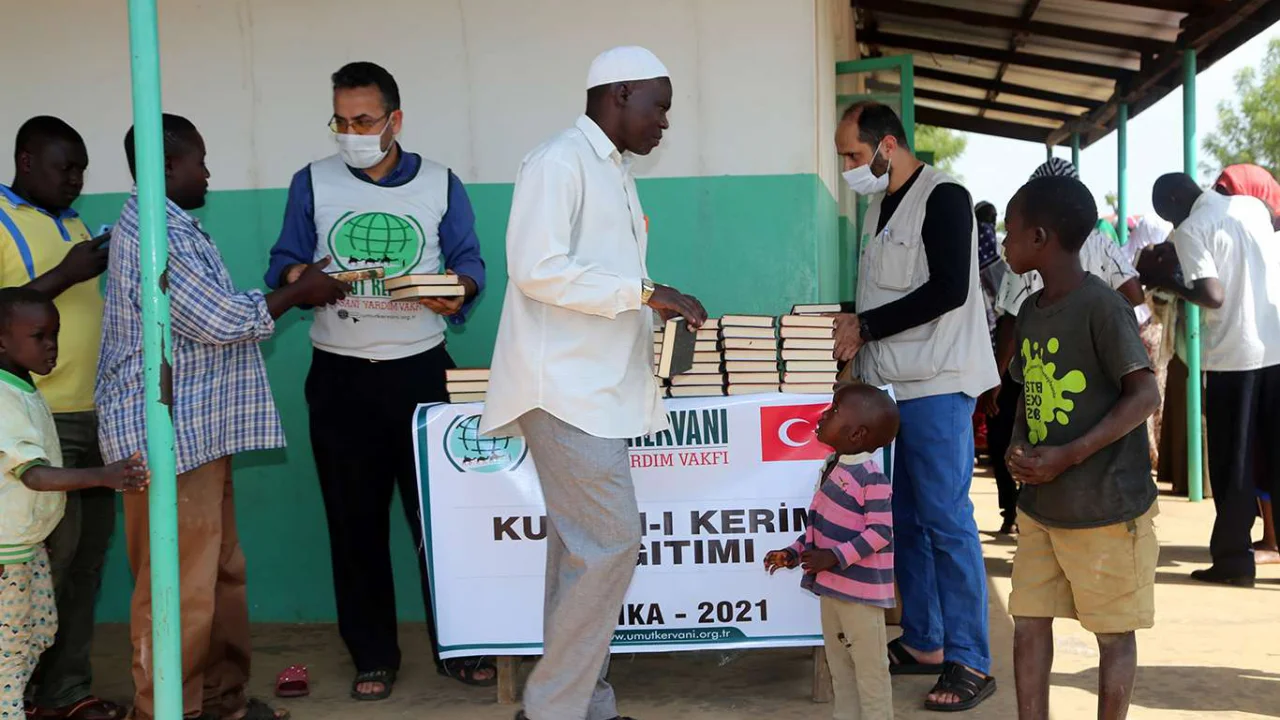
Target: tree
[(1249, 124), (946, 145)]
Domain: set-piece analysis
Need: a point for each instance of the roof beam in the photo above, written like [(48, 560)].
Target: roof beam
[(1016, 40), (977, 102), (972, 123), (1198, 34), (911, 8), (1182, 6), (943, 47), (1007, 88)]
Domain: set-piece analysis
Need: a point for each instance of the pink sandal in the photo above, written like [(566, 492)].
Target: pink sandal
[(293, 682)]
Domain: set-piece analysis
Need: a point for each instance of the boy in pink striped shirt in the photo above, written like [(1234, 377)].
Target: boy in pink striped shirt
[(847, 550)]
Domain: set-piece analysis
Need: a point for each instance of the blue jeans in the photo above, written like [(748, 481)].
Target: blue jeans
[(938, 557)]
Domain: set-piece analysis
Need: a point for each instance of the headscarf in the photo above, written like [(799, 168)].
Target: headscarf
[(1056, 167), (988, 248), (1253, 181)]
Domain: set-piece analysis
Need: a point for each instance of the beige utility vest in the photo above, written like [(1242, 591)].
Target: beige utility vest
[(950, 354)]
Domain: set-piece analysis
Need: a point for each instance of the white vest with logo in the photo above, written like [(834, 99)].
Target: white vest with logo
[(950, 354), (360, 224)]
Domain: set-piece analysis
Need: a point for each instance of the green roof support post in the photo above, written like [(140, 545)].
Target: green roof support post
[(166, 637), (1122, 173), (1075, 150), (1048, 152), (1195, 461)]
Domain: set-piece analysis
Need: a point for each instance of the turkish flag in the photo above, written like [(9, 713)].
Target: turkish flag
[(787, 433)]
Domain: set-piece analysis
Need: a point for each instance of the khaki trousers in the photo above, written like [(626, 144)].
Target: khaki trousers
[(855, 637), (215, 609)]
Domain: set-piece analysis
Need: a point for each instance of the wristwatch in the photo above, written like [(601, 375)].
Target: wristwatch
[(646, 290)]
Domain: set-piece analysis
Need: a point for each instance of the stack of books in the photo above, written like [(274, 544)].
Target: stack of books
[(417, 287), (808, 347), (466, 385), (705, 377), (750, 354)]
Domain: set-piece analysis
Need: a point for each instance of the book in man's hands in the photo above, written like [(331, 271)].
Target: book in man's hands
[(351, 276), (466, 374), (418, 292), (469, 397), (419, 279), (828, 343), (467, 386), (678, 342), (818, 321), (792, 332)]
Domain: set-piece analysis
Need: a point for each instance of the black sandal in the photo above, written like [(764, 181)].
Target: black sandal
[(902, 662), (965, 684), (387, 678), (464, 670)]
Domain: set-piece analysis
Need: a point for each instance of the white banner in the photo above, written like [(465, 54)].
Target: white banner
[(730, 481)]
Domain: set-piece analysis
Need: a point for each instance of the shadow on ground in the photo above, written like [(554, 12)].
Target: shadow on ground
[(1197, 689)]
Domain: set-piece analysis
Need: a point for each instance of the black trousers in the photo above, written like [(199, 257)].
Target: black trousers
[(999, 435), (361, 412), (1242, 410)]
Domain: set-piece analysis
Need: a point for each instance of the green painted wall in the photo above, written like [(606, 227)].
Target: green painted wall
[(756, 244)]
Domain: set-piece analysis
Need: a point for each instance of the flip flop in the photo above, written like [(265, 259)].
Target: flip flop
[(464, 670), (293, 682), (902, 662)]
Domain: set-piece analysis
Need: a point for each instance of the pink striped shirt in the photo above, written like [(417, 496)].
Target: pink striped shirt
[(852, 515)]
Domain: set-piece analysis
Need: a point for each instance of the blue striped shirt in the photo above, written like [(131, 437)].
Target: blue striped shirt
[(222, 401)]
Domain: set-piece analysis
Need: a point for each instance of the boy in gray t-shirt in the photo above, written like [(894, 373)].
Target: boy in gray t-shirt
[(1087, 548)]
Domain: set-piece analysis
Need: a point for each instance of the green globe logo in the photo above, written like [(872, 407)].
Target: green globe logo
[(376, 238), (469, 451)]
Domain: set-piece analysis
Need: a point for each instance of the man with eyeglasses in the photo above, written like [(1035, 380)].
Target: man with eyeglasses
[(375, 204)]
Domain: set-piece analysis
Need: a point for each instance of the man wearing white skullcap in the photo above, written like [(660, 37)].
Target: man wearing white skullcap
[(572, 366)]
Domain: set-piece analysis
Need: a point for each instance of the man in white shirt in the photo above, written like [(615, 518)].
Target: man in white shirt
[(573, 366), (1228, 255)]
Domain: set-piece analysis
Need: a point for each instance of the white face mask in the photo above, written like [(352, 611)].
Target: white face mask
[(362, 151), (864, 182)]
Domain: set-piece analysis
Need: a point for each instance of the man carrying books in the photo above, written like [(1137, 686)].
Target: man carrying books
[(921, 325), (381, 352), (573, 366)]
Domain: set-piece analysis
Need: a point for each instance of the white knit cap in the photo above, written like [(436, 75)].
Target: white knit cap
[(624, 64)]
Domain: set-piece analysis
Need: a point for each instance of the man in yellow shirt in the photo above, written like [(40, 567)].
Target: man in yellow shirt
[(45, 245)]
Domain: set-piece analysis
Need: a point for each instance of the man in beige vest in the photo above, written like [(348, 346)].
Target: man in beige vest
[(921, 326)]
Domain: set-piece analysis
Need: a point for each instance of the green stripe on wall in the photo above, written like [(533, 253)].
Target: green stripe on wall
[(754, 244)]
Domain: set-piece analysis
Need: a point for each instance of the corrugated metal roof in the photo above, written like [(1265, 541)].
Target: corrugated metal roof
[(1043, 69)]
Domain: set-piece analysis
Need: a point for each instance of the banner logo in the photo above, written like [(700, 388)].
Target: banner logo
[(469, 451), (787, 433)]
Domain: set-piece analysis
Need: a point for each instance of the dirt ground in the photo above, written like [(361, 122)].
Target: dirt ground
[(1214, 653)]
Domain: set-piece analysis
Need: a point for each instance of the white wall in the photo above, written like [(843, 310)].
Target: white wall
[(482, 81)]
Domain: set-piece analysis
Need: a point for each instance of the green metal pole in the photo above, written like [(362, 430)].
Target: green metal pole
[(166, 637), (1195, 462), (1122, 173), (909, 99), (1075, 150), (1048, 152)]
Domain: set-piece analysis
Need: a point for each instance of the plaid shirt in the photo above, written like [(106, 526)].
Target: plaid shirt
[(222, 402)]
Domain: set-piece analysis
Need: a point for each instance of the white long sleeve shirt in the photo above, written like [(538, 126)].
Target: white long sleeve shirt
[(574, 339)]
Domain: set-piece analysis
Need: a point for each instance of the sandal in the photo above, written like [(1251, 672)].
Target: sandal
[(293, 682), (902, 662), (386, 678), (90, 708), (965, 684), (464, 670), (258, 710)]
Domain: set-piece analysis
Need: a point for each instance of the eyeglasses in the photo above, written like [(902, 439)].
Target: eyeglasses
[(361, 126)]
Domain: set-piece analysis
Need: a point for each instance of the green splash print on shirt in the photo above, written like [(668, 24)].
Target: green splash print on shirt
[(1045, 391)]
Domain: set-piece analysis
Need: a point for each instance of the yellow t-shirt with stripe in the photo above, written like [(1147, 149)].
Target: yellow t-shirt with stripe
[(33, 242)]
